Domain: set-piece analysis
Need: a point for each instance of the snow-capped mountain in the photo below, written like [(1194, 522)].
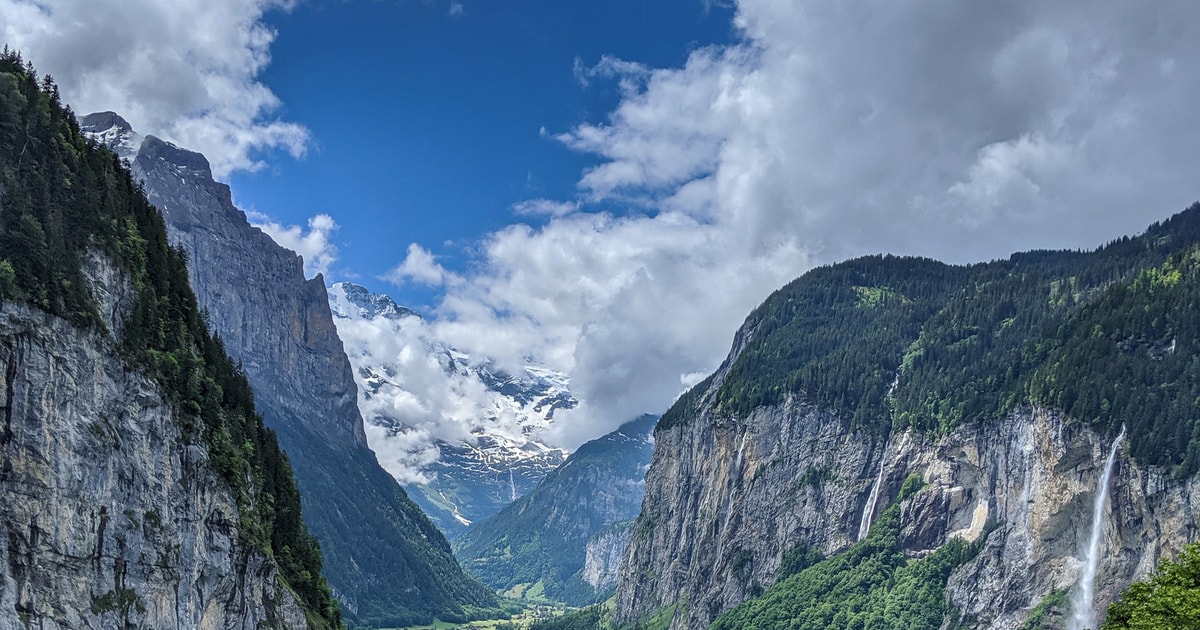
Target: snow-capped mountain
[(112, 131), (462, 434)]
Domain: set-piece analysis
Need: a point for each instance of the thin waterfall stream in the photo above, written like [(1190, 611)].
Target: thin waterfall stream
[(1083, 605), (735, 475), (864, 525)]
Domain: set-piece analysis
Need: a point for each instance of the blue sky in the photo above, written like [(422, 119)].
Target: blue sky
[(718, 153), (427, 124)]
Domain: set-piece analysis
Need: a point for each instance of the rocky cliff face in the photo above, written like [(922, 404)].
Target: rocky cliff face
[(602, 556), (114, 517), (273, 320), (790, 474), (383, 558), (721, 492)]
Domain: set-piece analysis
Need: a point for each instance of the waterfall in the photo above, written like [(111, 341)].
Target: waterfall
[(868, 514), (864, 525), (512, 486), (735, 474), (1083, 612)]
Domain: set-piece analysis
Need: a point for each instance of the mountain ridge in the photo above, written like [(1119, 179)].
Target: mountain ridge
[(566, 534), (141, 487)]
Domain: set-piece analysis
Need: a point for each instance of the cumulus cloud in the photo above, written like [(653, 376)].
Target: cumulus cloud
[(314, 244), (420, 267), (629, 74), (184, 70), (961, 131)]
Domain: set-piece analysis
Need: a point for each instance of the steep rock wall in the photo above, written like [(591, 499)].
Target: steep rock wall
[(726, 499), (114, 517)]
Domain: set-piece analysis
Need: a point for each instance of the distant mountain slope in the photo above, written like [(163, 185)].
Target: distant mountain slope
[(999, 387), (566, 537), (501, 459), (386, 562)]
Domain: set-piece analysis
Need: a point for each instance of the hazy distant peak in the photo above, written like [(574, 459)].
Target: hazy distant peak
[(353, 301)]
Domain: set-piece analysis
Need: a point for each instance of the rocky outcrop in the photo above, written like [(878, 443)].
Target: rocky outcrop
[(113, 516), (721, 492)]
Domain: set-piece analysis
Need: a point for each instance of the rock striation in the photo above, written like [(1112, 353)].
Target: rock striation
[(1027, 485), (113, 516)]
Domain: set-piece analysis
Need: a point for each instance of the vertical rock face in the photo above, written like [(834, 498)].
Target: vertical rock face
[(719, 489), (273, 320), (383, 558), (602, 557), (1026, 484), (113, 516)]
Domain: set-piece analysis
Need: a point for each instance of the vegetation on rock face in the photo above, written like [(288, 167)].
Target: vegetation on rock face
[(427, 584), (62, 198), (872, 585), (1108, 336), (1168, 599)]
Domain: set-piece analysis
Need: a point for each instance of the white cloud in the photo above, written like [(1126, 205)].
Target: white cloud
[(314, 244), (962, 131), (419, 266), (629, 74), (184, 70), (545, 207), (417, 392)]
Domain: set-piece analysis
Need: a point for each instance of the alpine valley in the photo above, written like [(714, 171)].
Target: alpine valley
[(890, 443)]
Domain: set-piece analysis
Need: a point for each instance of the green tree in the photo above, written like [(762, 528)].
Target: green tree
[(1169, 599)]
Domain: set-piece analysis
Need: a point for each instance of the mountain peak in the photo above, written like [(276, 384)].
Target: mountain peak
[(101, 121), (353, 301), (112, 131)]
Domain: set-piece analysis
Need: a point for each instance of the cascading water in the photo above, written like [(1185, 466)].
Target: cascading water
[(512, 486), (735, 474), (1083, 612), (864, 525)]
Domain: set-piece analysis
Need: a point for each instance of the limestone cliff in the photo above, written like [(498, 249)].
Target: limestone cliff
[(113, 515), (1027, 484)]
